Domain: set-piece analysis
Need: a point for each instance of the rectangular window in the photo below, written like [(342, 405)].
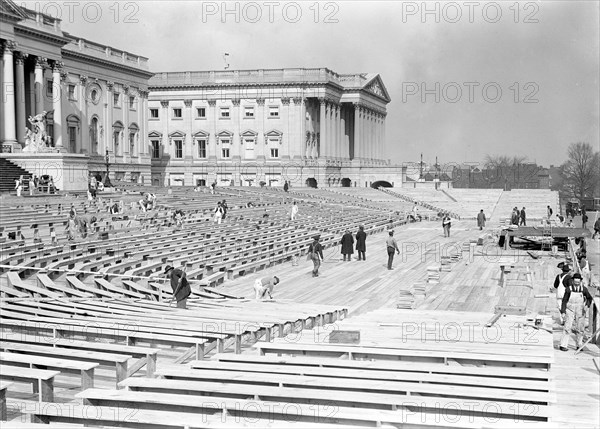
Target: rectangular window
[(116, 98), (116, 137), (201, 112), (49, 88), (176, 112), (249, 112), (153, 113), (73, 139), (201, 148), (155, 149), (224, 112), (132, 144), (274, 152), (225, 152), (178, 149), (273, 111), (71, 93), (132, 103)]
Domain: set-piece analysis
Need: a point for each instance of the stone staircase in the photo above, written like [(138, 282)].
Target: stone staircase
[(9, 173)]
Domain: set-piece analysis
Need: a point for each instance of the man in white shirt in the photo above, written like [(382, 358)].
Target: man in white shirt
[(264, 286)]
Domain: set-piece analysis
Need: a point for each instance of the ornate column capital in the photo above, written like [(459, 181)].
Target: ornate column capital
[(9, 45), (187, 103), (110, 85), (83, 79), (41, 62), (235, 101), (20, 58), (260, 101), (164, 103), (57, 66), (126, 88), (298, 100), (285, 101), (322, 101), (212, 103)]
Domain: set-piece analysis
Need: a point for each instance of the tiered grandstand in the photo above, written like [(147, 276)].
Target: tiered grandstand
[(90, 337), (535, 202)]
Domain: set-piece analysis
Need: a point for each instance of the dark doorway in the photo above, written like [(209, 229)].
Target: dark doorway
[(346, 183), (311, 182), (381, 183)]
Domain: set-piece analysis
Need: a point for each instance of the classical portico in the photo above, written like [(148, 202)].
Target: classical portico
[(269, 120), (79, 91)]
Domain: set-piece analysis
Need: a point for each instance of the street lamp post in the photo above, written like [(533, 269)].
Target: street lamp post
[(107, 183)]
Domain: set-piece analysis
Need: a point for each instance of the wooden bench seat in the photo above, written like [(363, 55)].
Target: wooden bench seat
[(389, 365), (120, 360), (79, 285), (116, 289), (85, 369), (146, 355), (342, 415), (41, 380), (376, 401), (15, 281), (140, 418), (349, 384), (48, 283), (370, 374), (353, 352)]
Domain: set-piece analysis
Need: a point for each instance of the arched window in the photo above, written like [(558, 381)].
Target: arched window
[(94, 135), (73, 125), (117, 137), (133, 138)]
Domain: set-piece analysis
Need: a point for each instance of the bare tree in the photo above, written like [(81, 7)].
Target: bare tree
[(502, 161), (581, 170)]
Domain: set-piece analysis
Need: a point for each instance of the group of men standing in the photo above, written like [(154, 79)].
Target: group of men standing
[(519, 217)]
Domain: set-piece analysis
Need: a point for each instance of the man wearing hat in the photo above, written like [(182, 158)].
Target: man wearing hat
[(392, 247), (315, 253), (179, 284), (264, 286), (561, 282), (575, 299)]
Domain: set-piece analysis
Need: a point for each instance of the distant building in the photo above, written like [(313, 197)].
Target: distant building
[(311, 127), (521, 176)]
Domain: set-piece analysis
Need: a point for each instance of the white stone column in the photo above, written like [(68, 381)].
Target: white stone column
[(336, 129), (287, 138), (356, 130), (57, 105), (297, 121), (383, 141), (9, 117), (143, 106), (166, 143), (108, 131), (40, 64), (20, 96), (237, 147), (322, 127), (82, 101), (342, 128), (260, 148)]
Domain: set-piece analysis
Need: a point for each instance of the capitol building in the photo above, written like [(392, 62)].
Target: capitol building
[(86, 105)]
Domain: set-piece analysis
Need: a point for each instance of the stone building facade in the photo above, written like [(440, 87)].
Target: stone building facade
[(306, 126), (95, 98)]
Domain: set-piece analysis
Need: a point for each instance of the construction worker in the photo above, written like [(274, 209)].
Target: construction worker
[(561, 282), (264, 286), (575, 300), (179, 284)]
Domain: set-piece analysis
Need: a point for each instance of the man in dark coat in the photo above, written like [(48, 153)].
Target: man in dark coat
[(347, 243), (179, 284), (361, 243), (481, 219), (523, 216)]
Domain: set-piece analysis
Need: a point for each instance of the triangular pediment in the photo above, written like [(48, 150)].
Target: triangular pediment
[(177, 134), (8, 7), (376, 87), (154, 134)]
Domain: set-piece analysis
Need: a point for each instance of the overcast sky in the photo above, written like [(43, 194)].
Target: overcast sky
[(510, 80)]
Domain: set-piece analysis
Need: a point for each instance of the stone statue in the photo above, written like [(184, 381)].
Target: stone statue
[(36, 138)]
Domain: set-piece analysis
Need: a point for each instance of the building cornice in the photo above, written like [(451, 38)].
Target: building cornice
[(108, 64), (48, 37)]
